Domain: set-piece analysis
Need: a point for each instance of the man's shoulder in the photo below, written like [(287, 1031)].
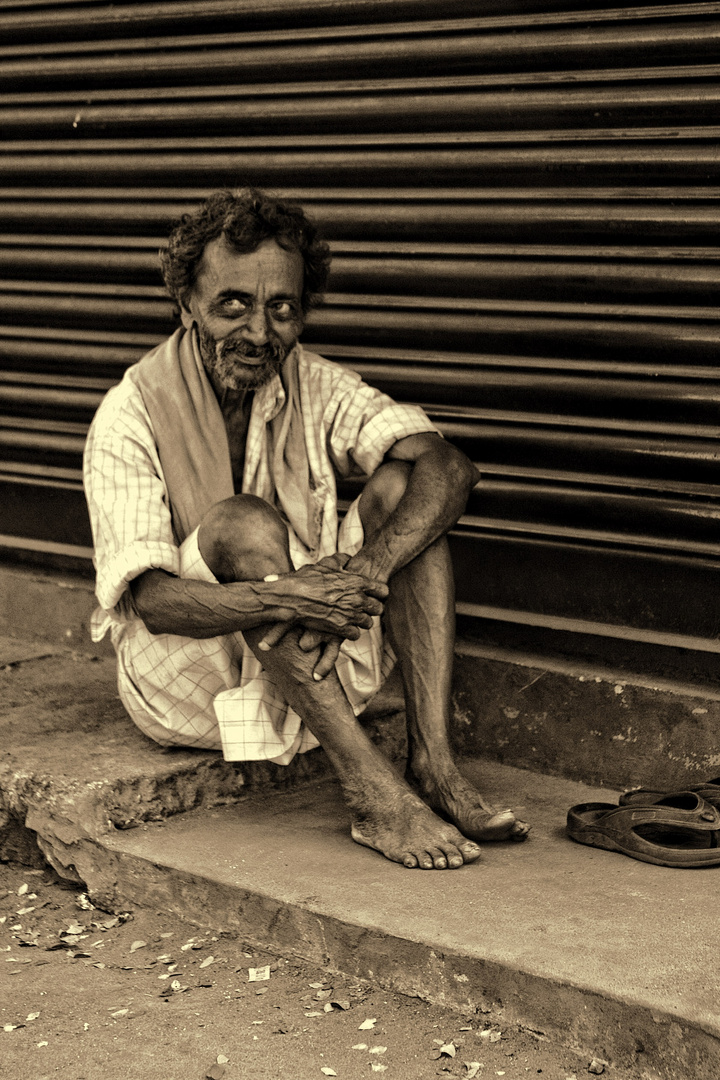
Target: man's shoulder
[(122, 406), (317, 371), (125, 398)]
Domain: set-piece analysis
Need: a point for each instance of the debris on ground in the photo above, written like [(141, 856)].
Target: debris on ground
[(144, 994)]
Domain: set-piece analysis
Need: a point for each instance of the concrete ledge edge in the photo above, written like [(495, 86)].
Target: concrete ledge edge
[(627, 1034)]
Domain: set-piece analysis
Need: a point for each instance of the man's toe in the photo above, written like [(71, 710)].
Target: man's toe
[(470, 851), (453, 855), (410, 861), (439, 859), (520, 831)]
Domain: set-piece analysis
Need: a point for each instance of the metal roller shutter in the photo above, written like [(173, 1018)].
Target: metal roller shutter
[(522, 201)]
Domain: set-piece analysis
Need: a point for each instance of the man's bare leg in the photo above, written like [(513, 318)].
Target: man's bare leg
[(245, 539), (420, 621)]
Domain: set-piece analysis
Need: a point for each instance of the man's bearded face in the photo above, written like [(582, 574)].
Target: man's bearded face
[(247, 309), (237, 364)]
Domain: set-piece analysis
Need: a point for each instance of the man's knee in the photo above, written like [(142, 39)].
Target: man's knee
[(243, 538), (382, 493)]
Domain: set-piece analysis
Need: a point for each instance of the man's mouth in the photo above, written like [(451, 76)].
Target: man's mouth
[(252, 356)]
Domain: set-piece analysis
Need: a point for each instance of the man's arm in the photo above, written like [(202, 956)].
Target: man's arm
[(320, 597), (440, 483)]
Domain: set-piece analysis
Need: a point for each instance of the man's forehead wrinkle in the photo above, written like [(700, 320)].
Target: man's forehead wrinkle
[(223, 271)]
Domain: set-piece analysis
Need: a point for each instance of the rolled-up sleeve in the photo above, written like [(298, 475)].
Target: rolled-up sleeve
[(364, 424), (127, 497)]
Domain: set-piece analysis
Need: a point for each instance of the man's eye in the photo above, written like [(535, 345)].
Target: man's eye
[(232, 305), (283, 310)]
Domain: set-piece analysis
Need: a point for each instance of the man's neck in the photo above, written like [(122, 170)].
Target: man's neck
[(235, 406), (231, 401)]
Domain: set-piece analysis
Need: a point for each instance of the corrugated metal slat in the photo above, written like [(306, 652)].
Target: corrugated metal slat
[(524, 205)]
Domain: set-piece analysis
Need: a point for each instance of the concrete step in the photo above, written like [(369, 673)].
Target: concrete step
[(610, 721), (596, 950), (72, 761), (587, 948)]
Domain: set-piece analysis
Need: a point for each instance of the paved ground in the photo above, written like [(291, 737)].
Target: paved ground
[(85, 994), (588, 947), (585, 945)]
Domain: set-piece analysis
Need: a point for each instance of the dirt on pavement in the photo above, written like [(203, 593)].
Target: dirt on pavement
[(89, 995)]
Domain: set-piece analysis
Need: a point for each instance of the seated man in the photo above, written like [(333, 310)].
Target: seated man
[(242, 617)]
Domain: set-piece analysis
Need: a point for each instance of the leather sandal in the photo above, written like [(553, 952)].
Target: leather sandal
[(680, 829), (709, 791)]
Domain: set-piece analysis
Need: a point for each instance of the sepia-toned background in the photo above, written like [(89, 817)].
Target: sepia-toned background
[(522, 201)]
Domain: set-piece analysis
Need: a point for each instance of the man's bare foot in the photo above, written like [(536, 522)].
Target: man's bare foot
[(455, 798), (405, 830)]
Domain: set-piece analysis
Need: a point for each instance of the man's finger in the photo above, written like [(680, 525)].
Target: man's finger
[(310, 640), (334, 562), (327, 661), (272, 636), (378, 589)]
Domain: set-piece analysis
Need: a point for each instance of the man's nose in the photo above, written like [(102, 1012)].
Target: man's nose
[(255, 329)]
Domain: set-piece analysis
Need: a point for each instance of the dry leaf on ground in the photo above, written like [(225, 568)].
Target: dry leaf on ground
[(488, 1033)]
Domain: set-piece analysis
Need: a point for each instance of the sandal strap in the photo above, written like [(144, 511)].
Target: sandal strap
[(708, 789), (695, 814), (587, 821)]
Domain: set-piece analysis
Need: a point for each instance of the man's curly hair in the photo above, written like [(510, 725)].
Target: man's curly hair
[(244, 219)]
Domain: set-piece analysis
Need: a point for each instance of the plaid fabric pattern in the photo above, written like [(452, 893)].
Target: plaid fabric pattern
[(213, 692)]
